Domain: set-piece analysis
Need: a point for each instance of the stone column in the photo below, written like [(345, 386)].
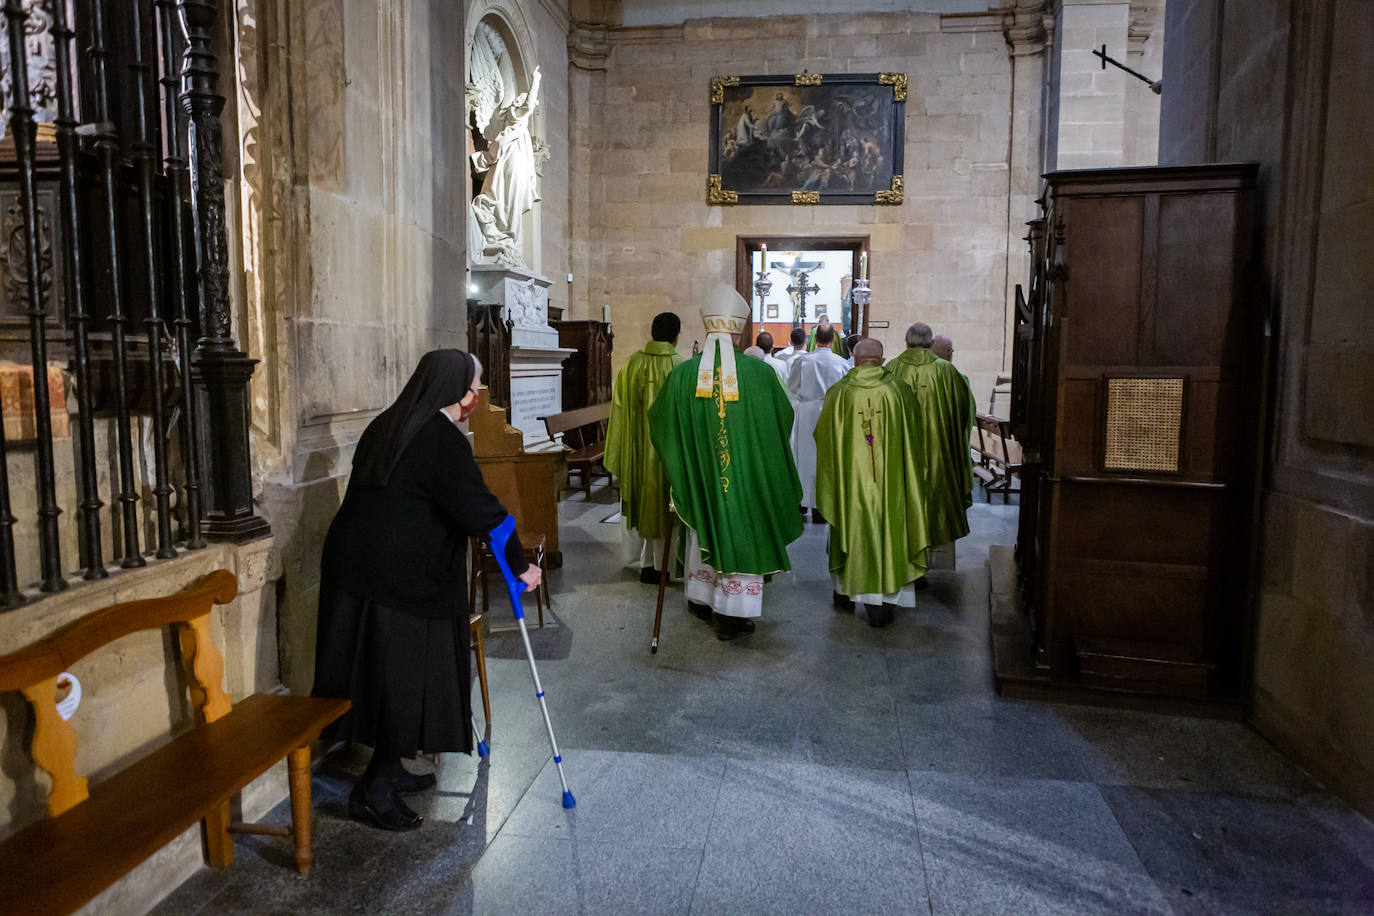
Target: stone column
[(589, 52), (1025, 23), (1090, 128)]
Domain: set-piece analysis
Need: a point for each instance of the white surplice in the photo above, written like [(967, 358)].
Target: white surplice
[(729, 594), (809, 377)]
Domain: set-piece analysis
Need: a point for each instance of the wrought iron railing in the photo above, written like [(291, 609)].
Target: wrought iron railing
[(113, 145)]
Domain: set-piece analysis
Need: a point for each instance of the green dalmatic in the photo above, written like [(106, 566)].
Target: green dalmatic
[(630, 456), (730, 466), (943, 407), (869, 485)]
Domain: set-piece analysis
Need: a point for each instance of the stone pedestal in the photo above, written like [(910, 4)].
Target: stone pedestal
[(536, 359)]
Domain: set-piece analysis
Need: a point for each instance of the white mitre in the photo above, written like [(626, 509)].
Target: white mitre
[(724, 313)]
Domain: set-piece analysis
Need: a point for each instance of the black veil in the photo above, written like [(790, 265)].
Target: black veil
[(442, 378)]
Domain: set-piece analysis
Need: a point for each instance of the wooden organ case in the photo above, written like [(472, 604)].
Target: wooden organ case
[(1138, 397)]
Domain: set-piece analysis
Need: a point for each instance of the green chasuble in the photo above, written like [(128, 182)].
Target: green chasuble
[(972, 422), (942, 411), (869, 484), (836, 346), (629, 454), (730, 466)]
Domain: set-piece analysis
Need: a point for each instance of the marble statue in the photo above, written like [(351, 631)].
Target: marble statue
[(508, 167)]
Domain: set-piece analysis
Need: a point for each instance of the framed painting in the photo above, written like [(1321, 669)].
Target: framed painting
[(811, 138)]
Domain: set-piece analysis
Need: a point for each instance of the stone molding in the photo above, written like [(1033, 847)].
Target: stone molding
[(589, 45), (1027, 25)]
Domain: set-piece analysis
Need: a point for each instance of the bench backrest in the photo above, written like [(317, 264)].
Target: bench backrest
[(997, 444), (597, 415), (35, 669)]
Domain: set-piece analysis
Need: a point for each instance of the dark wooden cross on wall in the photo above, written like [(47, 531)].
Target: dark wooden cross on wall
[(800, 290)]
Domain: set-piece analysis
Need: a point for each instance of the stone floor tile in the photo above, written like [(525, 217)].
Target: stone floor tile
[(994, 845), (1215, 852), (530, 875), (792, 837), (989, 736), (649, 799), (1122, 747)]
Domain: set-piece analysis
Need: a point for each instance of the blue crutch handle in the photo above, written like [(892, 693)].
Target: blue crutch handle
[(498, 539)]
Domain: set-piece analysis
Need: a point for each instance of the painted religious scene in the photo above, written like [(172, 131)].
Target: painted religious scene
[(835, 138)]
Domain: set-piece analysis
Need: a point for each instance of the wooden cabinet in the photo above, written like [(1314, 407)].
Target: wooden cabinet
[(587, 373), (1138, 397)]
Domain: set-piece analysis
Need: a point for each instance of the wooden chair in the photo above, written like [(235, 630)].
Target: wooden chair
[(94, 835), (483, 566), (475, 629), (584, 432), (1000, 465)]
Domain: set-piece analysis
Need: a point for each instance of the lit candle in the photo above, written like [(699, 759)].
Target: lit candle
[(763, 257), (606, 313), (863, 266)]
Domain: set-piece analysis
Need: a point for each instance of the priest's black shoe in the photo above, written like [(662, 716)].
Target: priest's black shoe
[(727, 627), (409, 783), (816, 517), (879, 615), (648, 575), (382, 808), (842, 602), (699, 611)]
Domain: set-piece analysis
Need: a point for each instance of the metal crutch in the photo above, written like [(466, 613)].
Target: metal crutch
[(499, 537)]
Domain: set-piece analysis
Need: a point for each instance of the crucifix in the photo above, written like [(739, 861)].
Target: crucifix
[(800, 290)]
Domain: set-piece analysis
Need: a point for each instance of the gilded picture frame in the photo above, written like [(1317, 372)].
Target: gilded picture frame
[(807, 139)]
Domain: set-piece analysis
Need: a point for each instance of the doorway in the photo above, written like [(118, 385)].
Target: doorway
[(804, 277)]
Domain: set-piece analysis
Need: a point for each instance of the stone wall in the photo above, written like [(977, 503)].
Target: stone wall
[(941, 257), (1285, 83), (351, 192)]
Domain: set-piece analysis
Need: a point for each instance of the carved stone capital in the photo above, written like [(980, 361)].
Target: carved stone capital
[(1026, 25), (589, 45)]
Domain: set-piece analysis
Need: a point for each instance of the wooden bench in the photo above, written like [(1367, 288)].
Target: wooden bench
[(584, 431), (94, 835), (999, 457)]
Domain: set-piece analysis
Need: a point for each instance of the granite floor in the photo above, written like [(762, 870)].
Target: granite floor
[(816, 766)]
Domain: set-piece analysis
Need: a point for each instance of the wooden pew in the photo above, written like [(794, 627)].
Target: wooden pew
[(95, 835), (584, 432), (999, 464)]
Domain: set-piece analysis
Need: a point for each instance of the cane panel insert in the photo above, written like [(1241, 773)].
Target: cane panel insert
[(1144, 420)]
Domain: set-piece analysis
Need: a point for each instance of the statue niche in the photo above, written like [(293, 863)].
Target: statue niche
[(506, 156)]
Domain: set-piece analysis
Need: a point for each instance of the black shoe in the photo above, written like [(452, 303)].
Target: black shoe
[(699, 611), (727, 628), (409, 783), (648, 575), (382, 809), (879, 615), (842, 602), (921, 584), (816, 517)]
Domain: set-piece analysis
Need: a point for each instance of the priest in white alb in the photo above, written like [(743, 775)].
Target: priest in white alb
[(809, 377)]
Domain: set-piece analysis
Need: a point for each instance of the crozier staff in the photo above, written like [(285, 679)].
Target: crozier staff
[(392, 634)]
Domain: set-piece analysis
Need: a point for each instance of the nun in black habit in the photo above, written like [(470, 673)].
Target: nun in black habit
[(393, 619)]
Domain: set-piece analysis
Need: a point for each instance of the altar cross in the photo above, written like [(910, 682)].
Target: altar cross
[(800, 290)]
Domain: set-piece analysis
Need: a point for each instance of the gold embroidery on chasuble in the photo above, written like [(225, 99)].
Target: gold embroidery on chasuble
[(866, 415), (722, 436)]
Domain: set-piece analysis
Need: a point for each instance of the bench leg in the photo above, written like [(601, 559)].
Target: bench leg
[(298, 767), (219, 843)]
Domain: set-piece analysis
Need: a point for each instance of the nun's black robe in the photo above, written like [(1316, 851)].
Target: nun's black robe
[(392, 632)]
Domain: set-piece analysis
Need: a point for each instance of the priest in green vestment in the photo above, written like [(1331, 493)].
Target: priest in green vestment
[(943, 347), (869, 487), (721, 425), (837, 345), (630, 456), (943, 412)]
